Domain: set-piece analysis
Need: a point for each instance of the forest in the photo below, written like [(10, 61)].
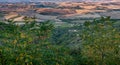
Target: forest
[(94, 42)]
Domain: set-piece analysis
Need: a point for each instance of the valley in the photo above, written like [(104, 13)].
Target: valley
[(59, 32)]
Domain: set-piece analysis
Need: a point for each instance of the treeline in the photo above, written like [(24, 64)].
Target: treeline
[(95, 42)]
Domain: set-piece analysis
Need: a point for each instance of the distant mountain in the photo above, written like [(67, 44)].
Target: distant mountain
[(57, 0)]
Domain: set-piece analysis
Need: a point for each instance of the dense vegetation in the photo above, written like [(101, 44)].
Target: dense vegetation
[(92, 43), (101, 42)]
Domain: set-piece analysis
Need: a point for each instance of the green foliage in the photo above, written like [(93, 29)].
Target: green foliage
[(101, 42), (65, 36), (93, 43), (34, 54), (27, 45)]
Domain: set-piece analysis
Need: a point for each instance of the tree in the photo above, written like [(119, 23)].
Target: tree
[(101, 42)]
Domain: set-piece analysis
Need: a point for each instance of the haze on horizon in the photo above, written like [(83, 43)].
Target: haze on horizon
[(59, 0)]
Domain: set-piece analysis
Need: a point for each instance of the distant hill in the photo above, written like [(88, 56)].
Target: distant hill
[(56, 0)]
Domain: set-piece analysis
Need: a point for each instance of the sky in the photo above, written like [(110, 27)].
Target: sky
[(55, 0)]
